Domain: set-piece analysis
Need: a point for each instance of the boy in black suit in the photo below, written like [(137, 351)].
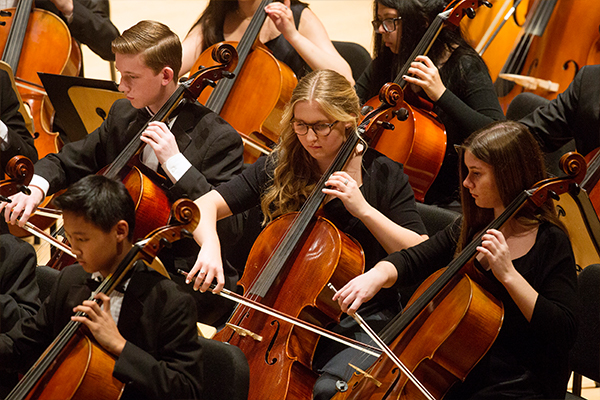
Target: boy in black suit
[(150, 328), (196, 150)]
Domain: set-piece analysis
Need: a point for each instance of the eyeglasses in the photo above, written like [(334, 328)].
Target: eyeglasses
[(389, 24), (319, 128)]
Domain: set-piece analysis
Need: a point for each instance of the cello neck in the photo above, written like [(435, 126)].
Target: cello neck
[(16, 35), (219, 96), (423, 46), (135, 144)]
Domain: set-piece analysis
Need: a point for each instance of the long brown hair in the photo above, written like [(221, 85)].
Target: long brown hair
[(517, 163), (296, 172)]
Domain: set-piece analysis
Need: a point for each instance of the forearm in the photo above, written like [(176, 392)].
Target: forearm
[(522, 293), (390, 235)]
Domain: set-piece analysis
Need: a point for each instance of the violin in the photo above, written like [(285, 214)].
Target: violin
[(260, 80), (453, 318), (75, 366), (559, 37), (418, 139), (32, 41)]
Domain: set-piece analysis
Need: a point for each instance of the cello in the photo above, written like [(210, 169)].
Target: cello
[(74, 366), (418, 140), (152, 203), (559, 38), (294, 249), (261, 80), (453, 318), (35, 41)]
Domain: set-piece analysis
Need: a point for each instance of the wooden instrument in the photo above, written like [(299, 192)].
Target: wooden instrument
[(451, 320), (253, 101), (494, 32), (579, 211), (74, 366), (288, 269), (152, 204), (35, 41), (20, 171), (559, 37), (418, 139)]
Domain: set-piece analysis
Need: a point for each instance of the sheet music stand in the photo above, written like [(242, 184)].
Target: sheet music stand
[(81, 104)]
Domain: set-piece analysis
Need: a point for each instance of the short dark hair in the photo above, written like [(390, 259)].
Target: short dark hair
[(101, 201)]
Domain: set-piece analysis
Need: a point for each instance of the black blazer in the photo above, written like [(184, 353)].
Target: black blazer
[(162, 357), (574, 114)]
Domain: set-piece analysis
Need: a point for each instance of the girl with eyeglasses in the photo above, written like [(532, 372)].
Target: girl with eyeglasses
[(452, 76), (370, 200)]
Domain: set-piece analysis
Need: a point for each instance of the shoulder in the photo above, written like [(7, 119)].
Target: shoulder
[(377, 162)]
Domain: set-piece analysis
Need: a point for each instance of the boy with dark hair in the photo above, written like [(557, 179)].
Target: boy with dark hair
[(150, 328)]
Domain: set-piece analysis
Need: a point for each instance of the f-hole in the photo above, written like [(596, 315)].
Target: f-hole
[(275, 322)]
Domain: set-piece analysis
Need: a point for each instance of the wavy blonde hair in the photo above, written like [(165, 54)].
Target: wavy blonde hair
[(296, 172)]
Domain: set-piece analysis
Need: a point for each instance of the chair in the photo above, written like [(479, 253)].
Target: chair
[(436, 218), (356, 55), (226, 371), (45, 277), (585, 354)]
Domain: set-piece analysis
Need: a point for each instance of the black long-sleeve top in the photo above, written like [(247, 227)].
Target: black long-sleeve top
[(527, 357)]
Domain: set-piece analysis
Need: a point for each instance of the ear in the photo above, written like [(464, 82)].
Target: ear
[(167, 75), (122, 230)]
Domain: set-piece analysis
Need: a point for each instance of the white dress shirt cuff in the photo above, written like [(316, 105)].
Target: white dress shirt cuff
[(3, 136), (176, 167), (41, 183)]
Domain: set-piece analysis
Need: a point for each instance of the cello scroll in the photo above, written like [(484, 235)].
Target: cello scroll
[(20, 169)]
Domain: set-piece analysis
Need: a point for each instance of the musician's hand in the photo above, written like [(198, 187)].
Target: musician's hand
[(341, 185), (159, 137), (426, 75), (282, 17), (208, 266), (22, 206), (64, 6), (497, 253), (360, 289), (101, 323)]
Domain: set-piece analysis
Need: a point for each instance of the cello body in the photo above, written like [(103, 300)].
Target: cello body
[(433, 347), (419, 143), (84, 372), (569, 41), (47, 46), (256, 101), (281, 358)]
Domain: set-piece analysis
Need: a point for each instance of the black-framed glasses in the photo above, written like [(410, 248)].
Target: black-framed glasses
[(319, 128), (389, 24)]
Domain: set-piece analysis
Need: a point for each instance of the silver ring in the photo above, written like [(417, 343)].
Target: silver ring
[(346, 182), (202, 272), (285, 7)]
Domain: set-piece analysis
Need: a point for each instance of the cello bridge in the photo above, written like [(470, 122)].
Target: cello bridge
[(366, 375), (244, 332)]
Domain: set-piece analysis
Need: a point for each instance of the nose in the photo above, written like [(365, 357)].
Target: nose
[(381, 30), (467, 183), (122, 86)]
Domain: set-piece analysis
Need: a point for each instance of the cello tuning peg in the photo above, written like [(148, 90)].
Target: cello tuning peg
[(553, 195), (366, 109), (186, 234), (401, 114), (486, 3), (210, 82), (228, 75), (4, 13), (386, 125), (165, 243), (470, 12), (2, 23)]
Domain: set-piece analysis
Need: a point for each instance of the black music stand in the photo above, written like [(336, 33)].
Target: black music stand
[(81, 104)]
